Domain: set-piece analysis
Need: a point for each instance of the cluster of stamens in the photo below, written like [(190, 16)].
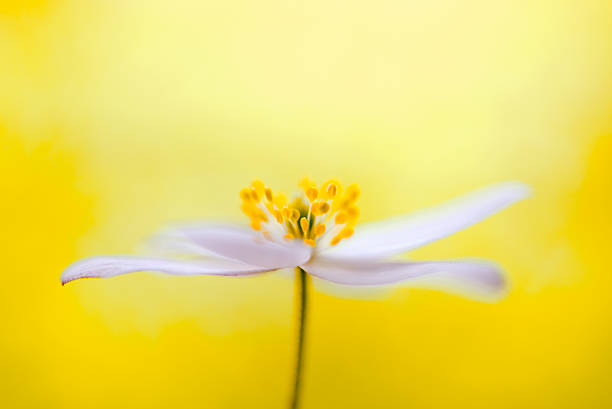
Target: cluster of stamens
[(317, 215)]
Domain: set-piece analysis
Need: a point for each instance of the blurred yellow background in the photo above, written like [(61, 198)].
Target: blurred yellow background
[(119, 117)]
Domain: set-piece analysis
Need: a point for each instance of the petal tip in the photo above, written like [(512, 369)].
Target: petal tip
[(517, 189), (66, 280), (66, 277)]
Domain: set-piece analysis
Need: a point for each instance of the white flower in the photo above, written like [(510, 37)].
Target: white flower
[(315, 232)]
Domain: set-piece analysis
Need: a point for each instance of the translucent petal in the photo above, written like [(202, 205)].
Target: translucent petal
[(471, 278), (397, 235), (235, 243), (110, 266)]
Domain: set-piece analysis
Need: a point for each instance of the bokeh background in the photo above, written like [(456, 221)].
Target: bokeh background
[(118, 117)]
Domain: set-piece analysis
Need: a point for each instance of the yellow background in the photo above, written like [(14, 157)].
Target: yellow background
[(118, 117)]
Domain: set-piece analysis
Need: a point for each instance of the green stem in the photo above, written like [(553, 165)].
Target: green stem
[(301, 287)]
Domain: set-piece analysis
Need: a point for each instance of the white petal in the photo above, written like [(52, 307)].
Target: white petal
[(353, 292), (397, 235), (235, 243), (472, 278), (110, 266)]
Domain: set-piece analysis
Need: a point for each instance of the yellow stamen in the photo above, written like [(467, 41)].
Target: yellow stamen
[(255, 196), (295, 215), (306, 183), (278, 216), (312, 193), (331, 190), (259, 187), (269, 206), (353, 213), (256, 224), (319, 230), (286, 212), (347, 232), (309, 216), (245, 194), (262, 216), (304, 222), (280, 200), (341, 218), (324, 207), (352, 193), (248, 209), (320, 208), (268, 194), (314, 208)]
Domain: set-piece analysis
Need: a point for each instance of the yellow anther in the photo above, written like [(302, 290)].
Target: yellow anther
[(304, 224), (248, 209), (305, 183), (347, 232), (319, 230), (280, 200), (295, 215), (314, 209), (268, 194), (256, 224), (259, 187), (320, 208), (335, 240), (278, 216), (245, 194), (353, 213), (341, 218), (261, 215), (312, 193), (324, 207), (341, 203), (353, 192), (310, 242), (332, 189), (286, 212), (255, 195), (288, 237)]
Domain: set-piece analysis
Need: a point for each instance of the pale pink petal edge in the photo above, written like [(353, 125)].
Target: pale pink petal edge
[(110, 266)]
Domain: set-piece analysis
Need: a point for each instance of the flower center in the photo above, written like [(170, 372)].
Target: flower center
[(316, 215)]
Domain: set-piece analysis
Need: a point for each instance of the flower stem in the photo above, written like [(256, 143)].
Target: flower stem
[(301, 291)]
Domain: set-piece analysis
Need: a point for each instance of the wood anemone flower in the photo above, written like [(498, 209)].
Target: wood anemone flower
[(314, 233)]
